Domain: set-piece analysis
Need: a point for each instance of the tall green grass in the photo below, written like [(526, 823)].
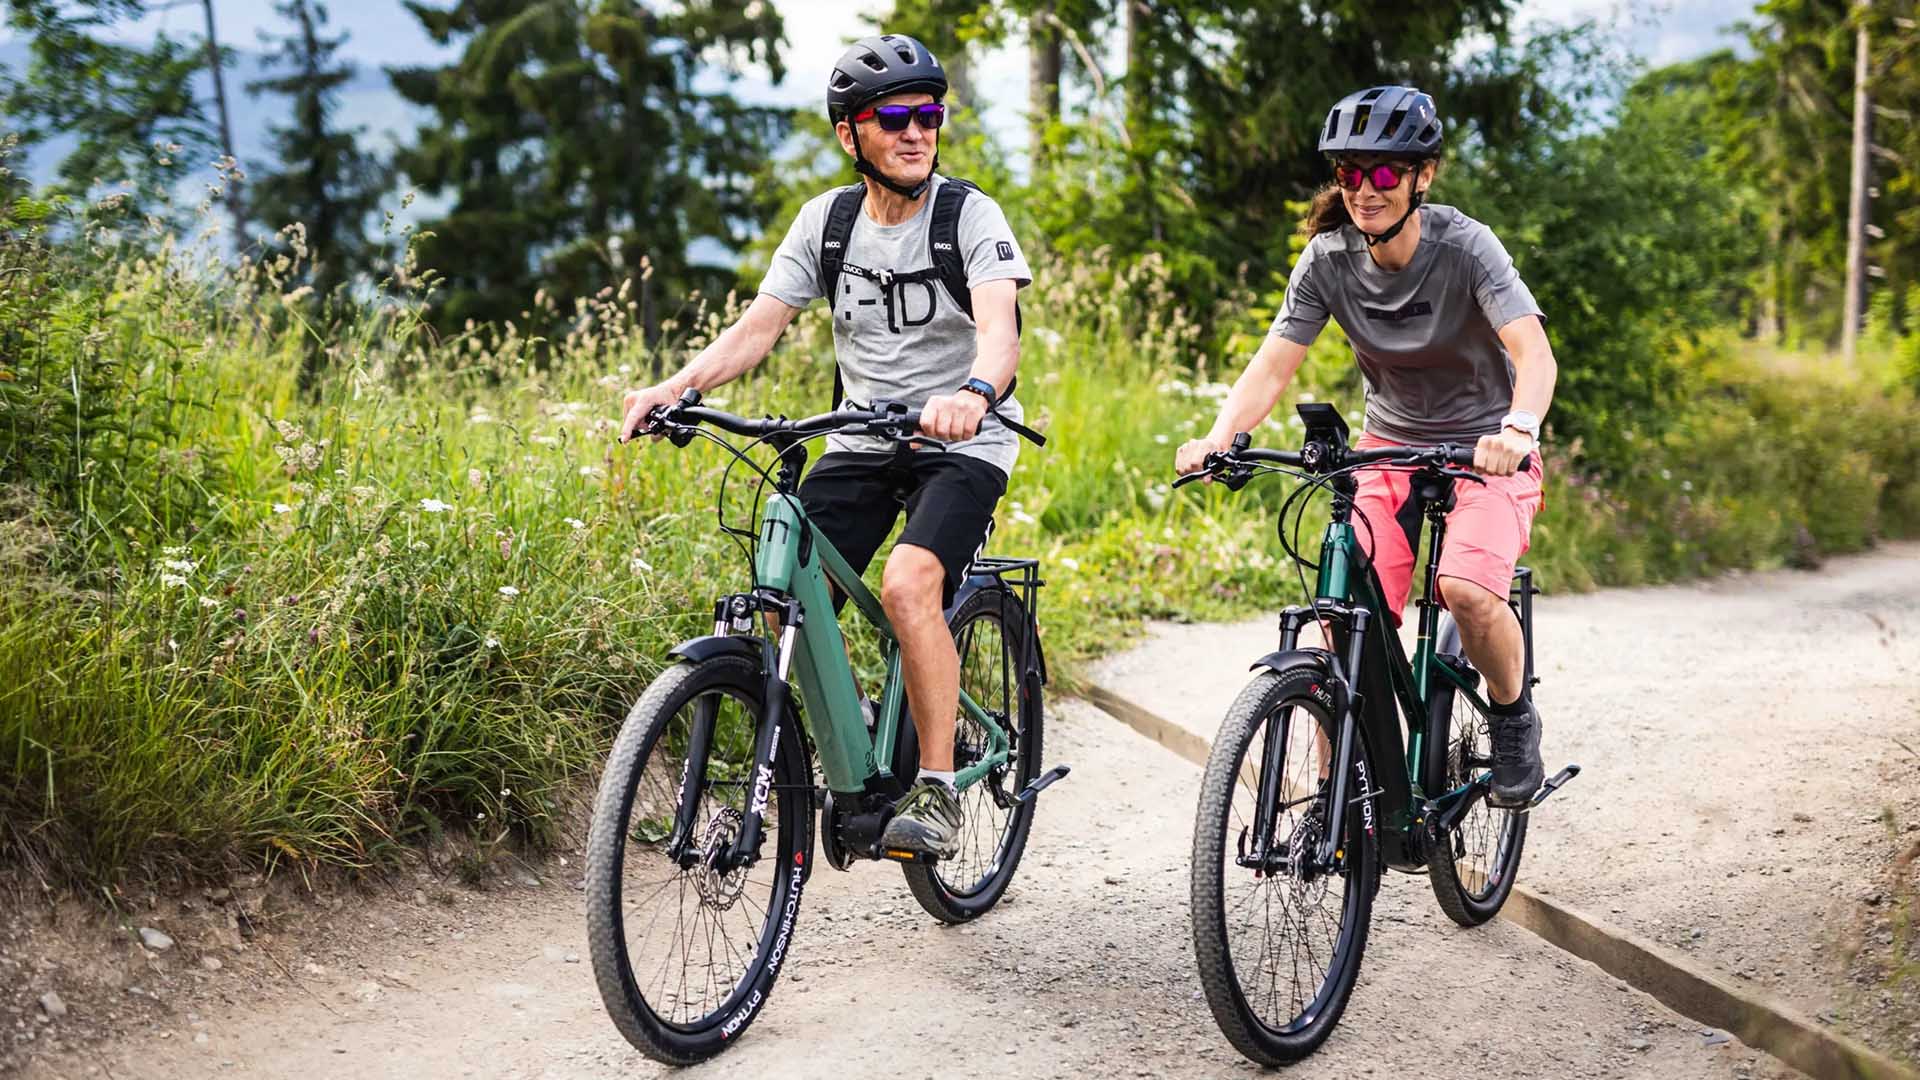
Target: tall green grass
[(241, 623)]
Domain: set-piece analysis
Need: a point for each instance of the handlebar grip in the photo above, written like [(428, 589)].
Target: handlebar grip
[(1188, 478)]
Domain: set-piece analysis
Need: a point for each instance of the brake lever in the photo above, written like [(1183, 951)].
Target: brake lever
[(1462, 474)]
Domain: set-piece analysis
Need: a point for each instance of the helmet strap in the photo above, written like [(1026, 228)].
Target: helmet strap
[(1413, 203), (865, 168)]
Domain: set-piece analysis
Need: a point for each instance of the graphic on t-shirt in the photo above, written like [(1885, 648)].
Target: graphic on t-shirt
[(904, 308), (1411, 311)]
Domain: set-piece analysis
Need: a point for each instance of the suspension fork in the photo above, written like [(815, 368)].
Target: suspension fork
[(1349, 736), (745, 848)]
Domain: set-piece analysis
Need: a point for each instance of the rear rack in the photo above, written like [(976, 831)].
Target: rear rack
[(1023, 576)]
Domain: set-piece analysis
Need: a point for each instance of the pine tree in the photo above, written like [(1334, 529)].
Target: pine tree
[(324, 180), (573, 140), (132, 109)]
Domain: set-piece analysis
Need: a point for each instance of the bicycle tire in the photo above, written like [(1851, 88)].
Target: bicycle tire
[(645, 1010), (1275, 699), (969, 885)]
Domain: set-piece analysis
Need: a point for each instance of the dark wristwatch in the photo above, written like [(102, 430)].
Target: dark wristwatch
[(983, 388)]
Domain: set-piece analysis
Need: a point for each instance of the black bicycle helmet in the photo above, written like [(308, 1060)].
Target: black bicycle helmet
[(1397, 120), (874, 67)]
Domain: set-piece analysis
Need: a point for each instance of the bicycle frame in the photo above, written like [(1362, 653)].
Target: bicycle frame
[(795, 571), (795, 560), (1374, 683)]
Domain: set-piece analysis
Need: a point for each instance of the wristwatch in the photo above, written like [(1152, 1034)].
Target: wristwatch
[(983, 388), (1524, 422)]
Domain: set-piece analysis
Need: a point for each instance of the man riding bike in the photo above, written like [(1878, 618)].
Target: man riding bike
[(1453, 349), (942, 337)]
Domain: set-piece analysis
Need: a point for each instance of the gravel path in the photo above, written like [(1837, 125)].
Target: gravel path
[(1751, 748), (1086, 969)]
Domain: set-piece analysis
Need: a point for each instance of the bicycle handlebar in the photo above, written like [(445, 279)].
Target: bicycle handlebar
[(887, 419), (1233, 465)]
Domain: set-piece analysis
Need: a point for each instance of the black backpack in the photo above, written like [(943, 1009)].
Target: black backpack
[(948, 268)]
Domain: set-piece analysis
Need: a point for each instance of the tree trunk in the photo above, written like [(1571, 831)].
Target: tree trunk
[(226, 130), (1137, 75), (1857, 197), (1043, 80)]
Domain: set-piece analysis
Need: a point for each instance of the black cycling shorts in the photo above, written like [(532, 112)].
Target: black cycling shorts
[(854, 498)]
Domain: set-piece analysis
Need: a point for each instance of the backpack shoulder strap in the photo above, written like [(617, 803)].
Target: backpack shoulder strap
[(841, 215), (944, 237)]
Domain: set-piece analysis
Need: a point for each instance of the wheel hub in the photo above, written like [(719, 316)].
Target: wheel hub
[(720, 886)]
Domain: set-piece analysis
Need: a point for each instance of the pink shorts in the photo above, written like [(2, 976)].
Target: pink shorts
[(1487, 530)]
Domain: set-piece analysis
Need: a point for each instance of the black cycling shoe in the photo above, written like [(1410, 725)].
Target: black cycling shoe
[(1517, 771)]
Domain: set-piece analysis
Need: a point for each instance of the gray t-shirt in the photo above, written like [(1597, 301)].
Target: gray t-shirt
[(1426, 335), (916, 343)]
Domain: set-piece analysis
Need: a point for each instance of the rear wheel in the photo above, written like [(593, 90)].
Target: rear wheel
[(990, 633), (1472, 866), (1279, 946), (686, 951)]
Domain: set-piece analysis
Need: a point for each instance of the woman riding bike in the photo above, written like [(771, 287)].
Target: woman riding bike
[(1453, 349)]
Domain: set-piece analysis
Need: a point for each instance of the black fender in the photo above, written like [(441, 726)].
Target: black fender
[(1319, 659), (698, 649)]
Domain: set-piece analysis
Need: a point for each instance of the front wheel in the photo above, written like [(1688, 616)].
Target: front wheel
[(990, 631), (1279, 943), (1472, 866), (686, 950)]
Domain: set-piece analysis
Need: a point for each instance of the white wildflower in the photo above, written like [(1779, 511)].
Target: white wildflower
[(173, 581), (1161, 439), (509, 591), (209, 603), (638, 566), (576, 523), (589, 470), (1071, 564), (282, 508), (417, 545), (1024, 518), (493, 643), (183, 566), (434, 506)]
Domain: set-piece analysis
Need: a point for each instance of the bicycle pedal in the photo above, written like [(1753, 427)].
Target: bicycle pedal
[(905, 856), (1041, 782), (1552, 785)]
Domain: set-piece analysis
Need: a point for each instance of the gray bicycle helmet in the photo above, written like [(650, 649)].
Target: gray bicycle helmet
[(1397, 120), (874, 67)]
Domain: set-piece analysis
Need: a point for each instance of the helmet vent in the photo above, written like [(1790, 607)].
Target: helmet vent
[(1333, 124), (1429, 134), (1394, 121), (1373, 93), (905, 52), (841, 81), (873, 61), (1360, 117)]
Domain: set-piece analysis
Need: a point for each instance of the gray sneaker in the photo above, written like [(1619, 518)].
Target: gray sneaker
[(1517, 771), (927, 821)]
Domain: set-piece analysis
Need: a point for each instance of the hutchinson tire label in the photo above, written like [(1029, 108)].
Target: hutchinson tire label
[(776, 954)]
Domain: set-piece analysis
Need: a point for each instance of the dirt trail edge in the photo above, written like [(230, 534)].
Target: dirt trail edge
[(1087, 965), (1750, 799)]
